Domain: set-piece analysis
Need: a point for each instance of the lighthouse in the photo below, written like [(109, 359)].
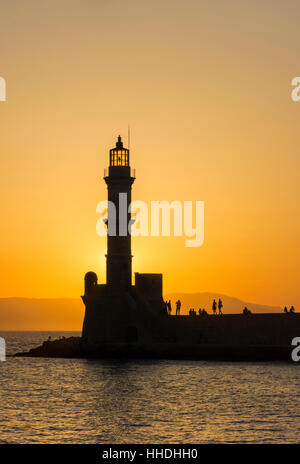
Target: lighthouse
[(119, 314), (119, 183)]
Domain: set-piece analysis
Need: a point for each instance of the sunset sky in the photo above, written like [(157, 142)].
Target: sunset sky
[(206, 89)]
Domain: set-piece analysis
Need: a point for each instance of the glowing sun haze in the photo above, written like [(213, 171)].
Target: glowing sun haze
[(206, 89)]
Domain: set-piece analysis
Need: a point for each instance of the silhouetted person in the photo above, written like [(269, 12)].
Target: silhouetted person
[(214, 306), (285, 309), (220, 306), (246, 310), (164, 309), (292, 309), (200, 311), (49, 338), (178, 306), (169, 308)]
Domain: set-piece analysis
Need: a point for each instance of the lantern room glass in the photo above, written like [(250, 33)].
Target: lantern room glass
[(119, 157)]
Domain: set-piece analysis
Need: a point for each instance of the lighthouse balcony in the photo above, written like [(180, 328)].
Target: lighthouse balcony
[(119, 171)]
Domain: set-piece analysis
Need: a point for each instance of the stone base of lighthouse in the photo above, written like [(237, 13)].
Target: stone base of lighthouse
[(123, 319)]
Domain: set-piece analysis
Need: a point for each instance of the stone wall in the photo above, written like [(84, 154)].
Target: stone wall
[(236, 329)]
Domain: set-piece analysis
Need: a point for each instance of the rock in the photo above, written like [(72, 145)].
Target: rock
[(60, 348)]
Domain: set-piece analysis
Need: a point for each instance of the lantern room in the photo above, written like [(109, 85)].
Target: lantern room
[(119, 156)]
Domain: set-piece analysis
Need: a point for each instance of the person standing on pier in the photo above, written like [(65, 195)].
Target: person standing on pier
[(178, 306), (214, 307), (220, 306)]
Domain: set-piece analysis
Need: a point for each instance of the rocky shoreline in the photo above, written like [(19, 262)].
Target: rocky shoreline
[(75, 347), (60, 348)]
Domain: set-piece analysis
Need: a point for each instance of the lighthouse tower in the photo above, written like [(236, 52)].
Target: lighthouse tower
[(119, 182), (118, 314)]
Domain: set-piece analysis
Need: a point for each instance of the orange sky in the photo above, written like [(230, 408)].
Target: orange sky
[(206, 89)]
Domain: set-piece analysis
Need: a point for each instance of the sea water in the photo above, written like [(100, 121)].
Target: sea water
[(47, 400)]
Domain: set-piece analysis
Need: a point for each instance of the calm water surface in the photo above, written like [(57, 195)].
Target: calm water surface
[(97, 401)]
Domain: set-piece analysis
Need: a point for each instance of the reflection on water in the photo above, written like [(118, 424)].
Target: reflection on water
[(93, 401)]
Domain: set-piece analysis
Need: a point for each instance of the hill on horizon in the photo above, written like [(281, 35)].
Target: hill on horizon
[(63, 314), (205, 299), (41, 314)]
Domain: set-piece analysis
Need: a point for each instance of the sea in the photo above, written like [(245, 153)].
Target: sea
[(46, 400)]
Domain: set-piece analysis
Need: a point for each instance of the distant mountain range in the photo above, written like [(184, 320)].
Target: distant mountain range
[(41, 313), (205, 300), (67, 313)]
